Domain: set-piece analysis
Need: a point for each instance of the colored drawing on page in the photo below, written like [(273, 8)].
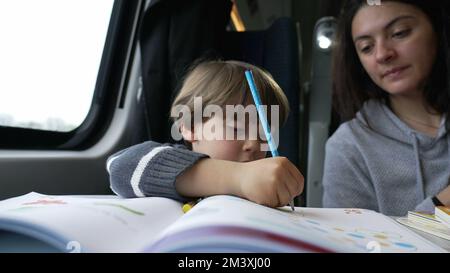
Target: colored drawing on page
[(45, 202), (23, 209), (352, 211), (127, 209), (354, 237), (360, 237)]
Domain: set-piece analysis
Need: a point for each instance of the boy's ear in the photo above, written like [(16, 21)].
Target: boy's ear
[(188, 135)]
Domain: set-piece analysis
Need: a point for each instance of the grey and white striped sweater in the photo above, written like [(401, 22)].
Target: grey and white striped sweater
[(150, 169)]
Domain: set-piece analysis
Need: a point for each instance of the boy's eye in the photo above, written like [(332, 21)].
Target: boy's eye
[(235, 128)]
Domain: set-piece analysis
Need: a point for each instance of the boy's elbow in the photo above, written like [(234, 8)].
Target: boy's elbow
[(119, 183), (113, 186), (120, 187), (109, 162)]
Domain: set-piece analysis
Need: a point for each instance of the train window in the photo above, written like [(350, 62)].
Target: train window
[(50, 57)]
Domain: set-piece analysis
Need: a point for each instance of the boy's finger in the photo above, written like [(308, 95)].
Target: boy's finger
[(290, 186), (282, 194), (298, 180), (286, 194)]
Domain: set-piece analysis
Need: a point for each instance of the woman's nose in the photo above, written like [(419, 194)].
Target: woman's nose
[(384, 52)]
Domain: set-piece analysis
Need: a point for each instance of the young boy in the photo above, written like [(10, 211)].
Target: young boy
[(208, 164)]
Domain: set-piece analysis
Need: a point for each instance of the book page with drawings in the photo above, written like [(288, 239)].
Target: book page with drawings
[(348, 230), (97, 224)]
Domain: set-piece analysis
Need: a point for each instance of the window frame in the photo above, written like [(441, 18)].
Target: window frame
[(113, 72)]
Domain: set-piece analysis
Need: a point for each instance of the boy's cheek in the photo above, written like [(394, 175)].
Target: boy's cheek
[(226, 150), (263, 155)]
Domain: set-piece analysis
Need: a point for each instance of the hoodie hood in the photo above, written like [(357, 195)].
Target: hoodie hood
[(377, 116)]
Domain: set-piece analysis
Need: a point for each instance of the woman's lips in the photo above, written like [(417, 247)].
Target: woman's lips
[(395, 71)]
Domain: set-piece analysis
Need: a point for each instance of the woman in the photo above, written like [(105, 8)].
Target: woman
[(391, 85)]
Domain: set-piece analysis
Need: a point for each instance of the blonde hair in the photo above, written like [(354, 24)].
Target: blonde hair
[(222, 82)]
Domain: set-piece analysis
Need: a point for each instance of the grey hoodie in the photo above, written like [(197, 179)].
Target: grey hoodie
[(376, 161)]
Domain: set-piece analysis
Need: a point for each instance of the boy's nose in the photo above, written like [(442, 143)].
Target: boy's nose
[(251, 145)]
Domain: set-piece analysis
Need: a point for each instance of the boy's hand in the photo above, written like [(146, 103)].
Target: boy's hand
[(271, 182)]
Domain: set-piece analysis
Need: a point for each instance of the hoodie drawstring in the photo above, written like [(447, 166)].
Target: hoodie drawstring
[(419, 174)]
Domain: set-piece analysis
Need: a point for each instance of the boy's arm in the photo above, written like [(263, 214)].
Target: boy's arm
[(152, 169), (209, 177), (272, 181), (149, 169)]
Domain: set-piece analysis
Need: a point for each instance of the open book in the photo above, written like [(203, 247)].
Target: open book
[(216, 224)]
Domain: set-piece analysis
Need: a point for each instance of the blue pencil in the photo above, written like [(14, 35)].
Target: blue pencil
[(263, 118)]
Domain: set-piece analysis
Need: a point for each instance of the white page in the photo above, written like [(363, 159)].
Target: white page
[(348, 230), (98, 224)]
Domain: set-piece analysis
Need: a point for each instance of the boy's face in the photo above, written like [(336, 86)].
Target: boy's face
[(226, 140)]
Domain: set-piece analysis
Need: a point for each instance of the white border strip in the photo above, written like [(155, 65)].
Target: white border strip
[(137, 174)]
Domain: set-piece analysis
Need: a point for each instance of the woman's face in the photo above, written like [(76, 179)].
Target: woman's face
[(396, 45)]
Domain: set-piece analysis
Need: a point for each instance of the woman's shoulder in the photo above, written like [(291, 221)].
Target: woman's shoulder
[(347, 132), (360, 127)]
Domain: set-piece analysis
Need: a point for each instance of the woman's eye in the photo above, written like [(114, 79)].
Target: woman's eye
[(365, 49), (401, 34)]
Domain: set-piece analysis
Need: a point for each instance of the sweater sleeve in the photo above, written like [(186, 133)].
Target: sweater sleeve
[(426, 205), (345, 180), (149, 169)]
